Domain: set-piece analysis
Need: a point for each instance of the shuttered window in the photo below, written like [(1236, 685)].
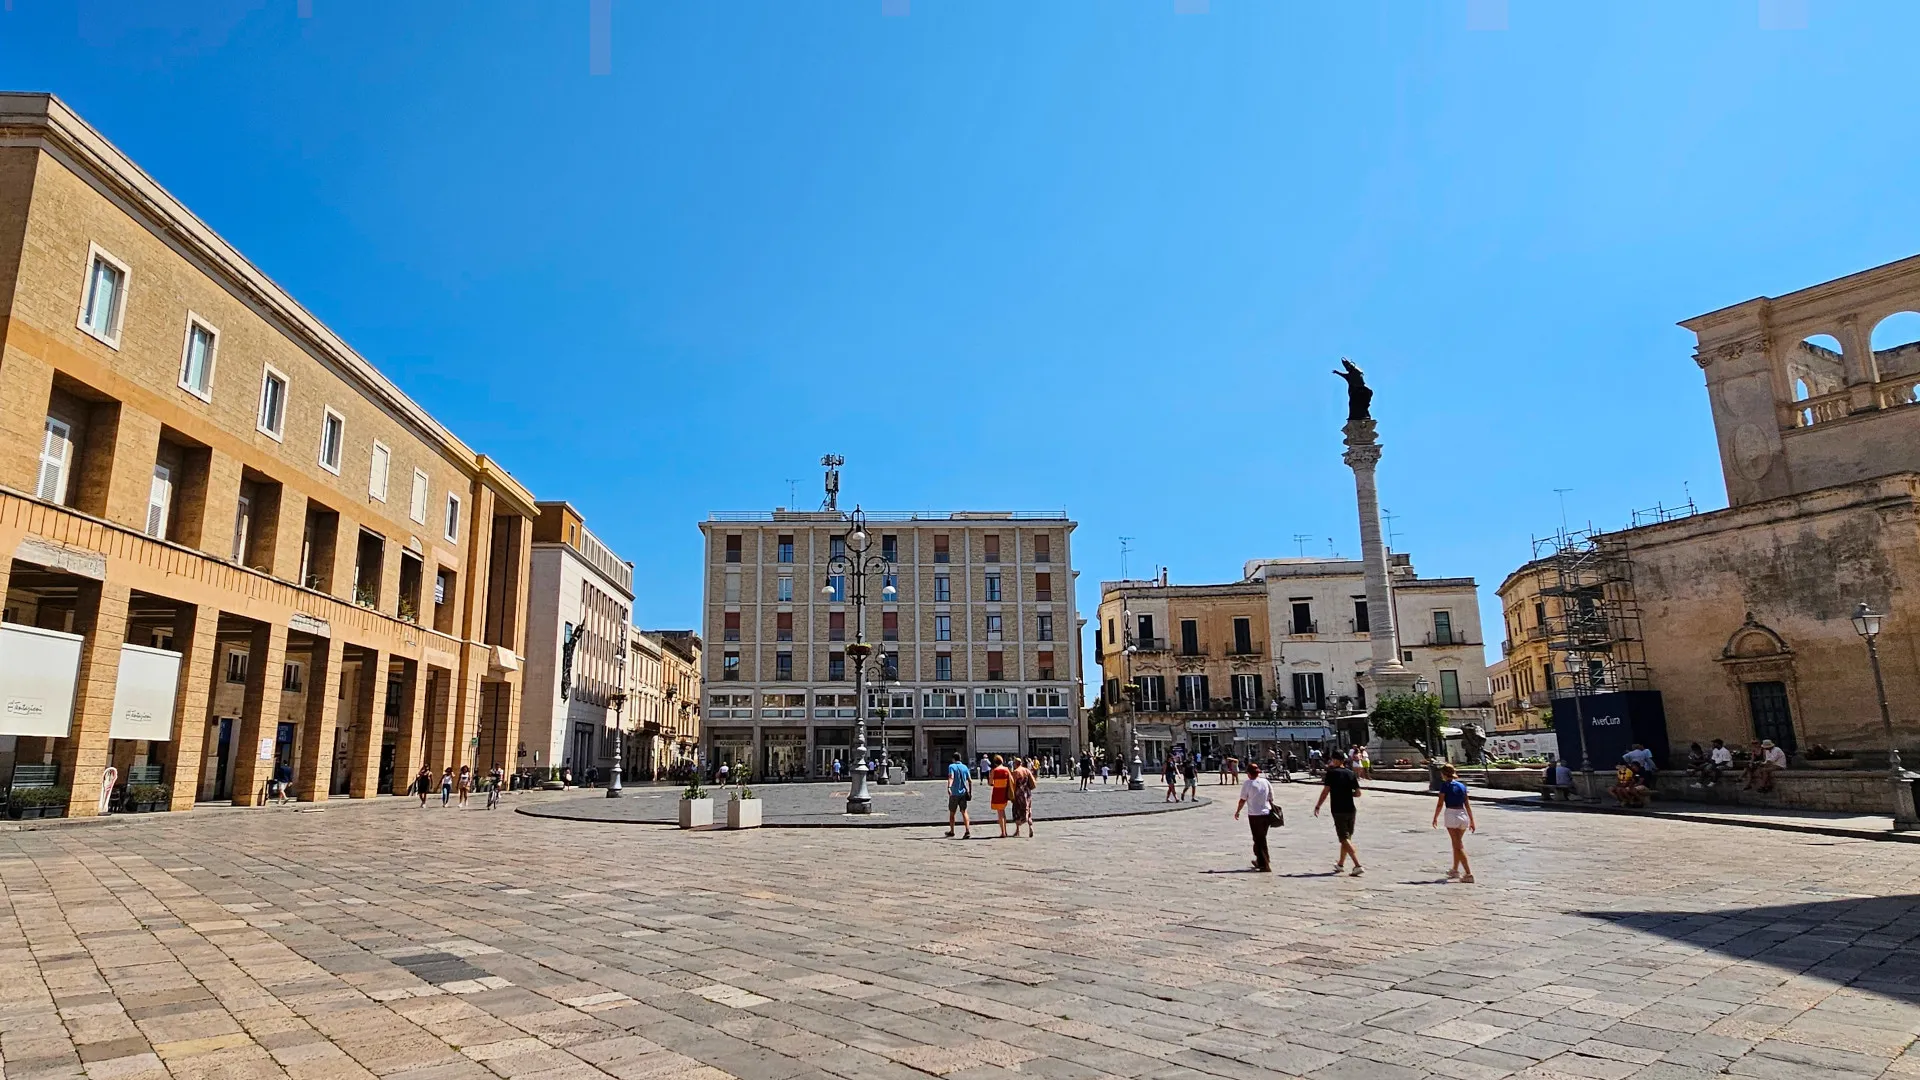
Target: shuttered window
[(377, 474), (56, 450), (159, 502), (418, 508)]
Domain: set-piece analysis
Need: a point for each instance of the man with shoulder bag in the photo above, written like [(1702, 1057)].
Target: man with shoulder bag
[(1256, 801)]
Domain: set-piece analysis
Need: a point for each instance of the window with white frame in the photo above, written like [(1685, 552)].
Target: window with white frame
[(196, 358), (943, 705), (418, 507), (333, 440), (237, 667), (1046, 703), (995, 704), (377, 474), (56, 454), (103, 302), (273, 404), (290, 678), (453, 517)]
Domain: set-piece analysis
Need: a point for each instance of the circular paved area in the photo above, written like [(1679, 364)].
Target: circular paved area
[(823, 805)]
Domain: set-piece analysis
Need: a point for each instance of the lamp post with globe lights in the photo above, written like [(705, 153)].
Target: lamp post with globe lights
[(847, 572), (1866, 623)]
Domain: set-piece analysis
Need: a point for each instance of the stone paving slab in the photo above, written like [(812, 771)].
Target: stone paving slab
[(823, 805), (347, 945)]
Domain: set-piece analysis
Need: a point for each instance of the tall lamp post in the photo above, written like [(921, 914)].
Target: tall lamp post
[(1134, 782), (1866, 623), (617, 699), (854, 565)]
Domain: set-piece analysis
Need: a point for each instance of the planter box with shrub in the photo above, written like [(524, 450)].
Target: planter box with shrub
[(696, 807), (37, 802), (743, 812)]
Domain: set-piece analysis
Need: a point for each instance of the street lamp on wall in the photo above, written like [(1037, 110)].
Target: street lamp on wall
[(1866, 623)]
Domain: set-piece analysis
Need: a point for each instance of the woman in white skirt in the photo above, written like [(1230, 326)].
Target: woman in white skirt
[(1454, 805)]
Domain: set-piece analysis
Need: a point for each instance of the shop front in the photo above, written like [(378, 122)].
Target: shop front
[(832, 744), (732, 747), (783, 754)]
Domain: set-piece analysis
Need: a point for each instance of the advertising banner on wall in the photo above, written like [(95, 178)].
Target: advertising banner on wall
[(143, 697), (38, 671)]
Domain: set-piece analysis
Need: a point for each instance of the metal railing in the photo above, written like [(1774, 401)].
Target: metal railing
[(1150, 644), (1195, 649), (1302, 629), (1248, 648)]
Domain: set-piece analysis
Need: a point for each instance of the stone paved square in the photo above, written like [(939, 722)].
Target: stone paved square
[(383, 940)]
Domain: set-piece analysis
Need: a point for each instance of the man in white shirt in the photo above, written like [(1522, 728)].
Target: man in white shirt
[(1719, 760), (1256, 800)]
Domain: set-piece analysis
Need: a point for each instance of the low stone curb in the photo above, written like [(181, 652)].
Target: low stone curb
[(1535, 802), (852, 821)]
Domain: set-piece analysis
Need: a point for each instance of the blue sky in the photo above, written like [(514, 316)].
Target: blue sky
[(1089, 255)]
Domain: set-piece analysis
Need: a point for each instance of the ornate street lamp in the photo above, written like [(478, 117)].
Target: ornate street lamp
[(855, 565), (1866, 623), (617, 699)]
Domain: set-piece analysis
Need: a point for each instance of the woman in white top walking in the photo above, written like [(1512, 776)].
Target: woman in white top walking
[(1256, 799)]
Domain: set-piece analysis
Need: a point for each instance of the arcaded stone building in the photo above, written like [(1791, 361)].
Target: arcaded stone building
[(228, 544), (979, 641)]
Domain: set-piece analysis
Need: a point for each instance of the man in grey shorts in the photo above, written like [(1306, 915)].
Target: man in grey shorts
[(959, 792)]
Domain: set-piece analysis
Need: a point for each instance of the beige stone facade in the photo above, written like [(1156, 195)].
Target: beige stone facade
[(663, 702), (1522, 693), (1277, 656), (1744, 613), (190, 461), (981, 632)]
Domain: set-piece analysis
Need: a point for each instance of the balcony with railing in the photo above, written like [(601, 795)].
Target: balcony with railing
[(1150, 644), (1191, 649), (1306, 629), (1448, 638), (1244, 648)]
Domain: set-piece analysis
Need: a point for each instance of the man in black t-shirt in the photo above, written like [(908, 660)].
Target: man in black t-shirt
[(1341, 786)]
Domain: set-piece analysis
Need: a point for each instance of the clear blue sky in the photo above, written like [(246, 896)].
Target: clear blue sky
[(1080, 254)]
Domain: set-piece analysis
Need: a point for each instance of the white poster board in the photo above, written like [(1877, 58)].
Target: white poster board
[(143, 696), (996, 740), (38, 672)]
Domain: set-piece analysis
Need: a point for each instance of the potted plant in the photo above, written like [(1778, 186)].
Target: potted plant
[(38, 802), (553, 781), (147, 798), (696, 806), (1823, 757), (743, 810)]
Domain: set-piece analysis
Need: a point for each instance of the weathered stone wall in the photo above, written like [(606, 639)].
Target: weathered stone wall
[(1840, 791), (1796, 566)]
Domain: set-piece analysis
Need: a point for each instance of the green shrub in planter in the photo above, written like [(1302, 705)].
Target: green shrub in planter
[(148, 794), (40, 796)]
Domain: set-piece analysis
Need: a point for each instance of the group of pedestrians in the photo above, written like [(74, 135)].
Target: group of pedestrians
[(1182, 774), (1339, 788), (458, 786), (1010, 788)]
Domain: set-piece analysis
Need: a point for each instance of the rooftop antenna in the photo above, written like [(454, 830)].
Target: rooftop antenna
[(1124, 541), (1562, 492), (1331, 553), (1388, 516), (793, 491), (1301, 539), (833, 463)]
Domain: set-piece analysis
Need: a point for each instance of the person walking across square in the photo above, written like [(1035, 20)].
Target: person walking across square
[(1190, 778), (959, 793), (1000, 790), (1339, 785), (1454, 805), (1256, 801), (1024, 781)]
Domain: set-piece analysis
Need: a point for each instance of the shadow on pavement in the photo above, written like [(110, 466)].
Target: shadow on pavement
[(1867, 943)]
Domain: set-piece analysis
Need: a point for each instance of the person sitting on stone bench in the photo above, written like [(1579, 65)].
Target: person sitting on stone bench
[(1767, 760), (1558, 778), (1630, 786)]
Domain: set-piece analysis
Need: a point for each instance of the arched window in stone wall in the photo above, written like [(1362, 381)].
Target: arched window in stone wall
[(1896, 349)]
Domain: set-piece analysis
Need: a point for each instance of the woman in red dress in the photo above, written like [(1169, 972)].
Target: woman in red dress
[(1000, 782)]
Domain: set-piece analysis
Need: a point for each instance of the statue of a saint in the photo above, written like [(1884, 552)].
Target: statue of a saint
[(1359, 394)]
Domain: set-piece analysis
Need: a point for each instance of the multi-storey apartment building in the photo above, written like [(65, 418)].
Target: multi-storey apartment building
[(978, 642), (663, 702), (1525, 699), (228, 545), (579, 633), (678, 741), (1276, 656)]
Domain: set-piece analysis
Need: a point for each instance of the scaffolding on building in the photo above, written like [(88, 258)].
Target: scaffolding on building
[(1585, 581)]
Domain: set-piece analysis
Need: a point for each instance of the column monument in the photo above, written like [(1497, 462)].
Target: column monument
[(1386, 676)]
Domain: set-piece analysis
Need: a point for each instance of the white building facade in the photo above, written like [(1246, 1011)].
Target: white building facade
[(579, 635)]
